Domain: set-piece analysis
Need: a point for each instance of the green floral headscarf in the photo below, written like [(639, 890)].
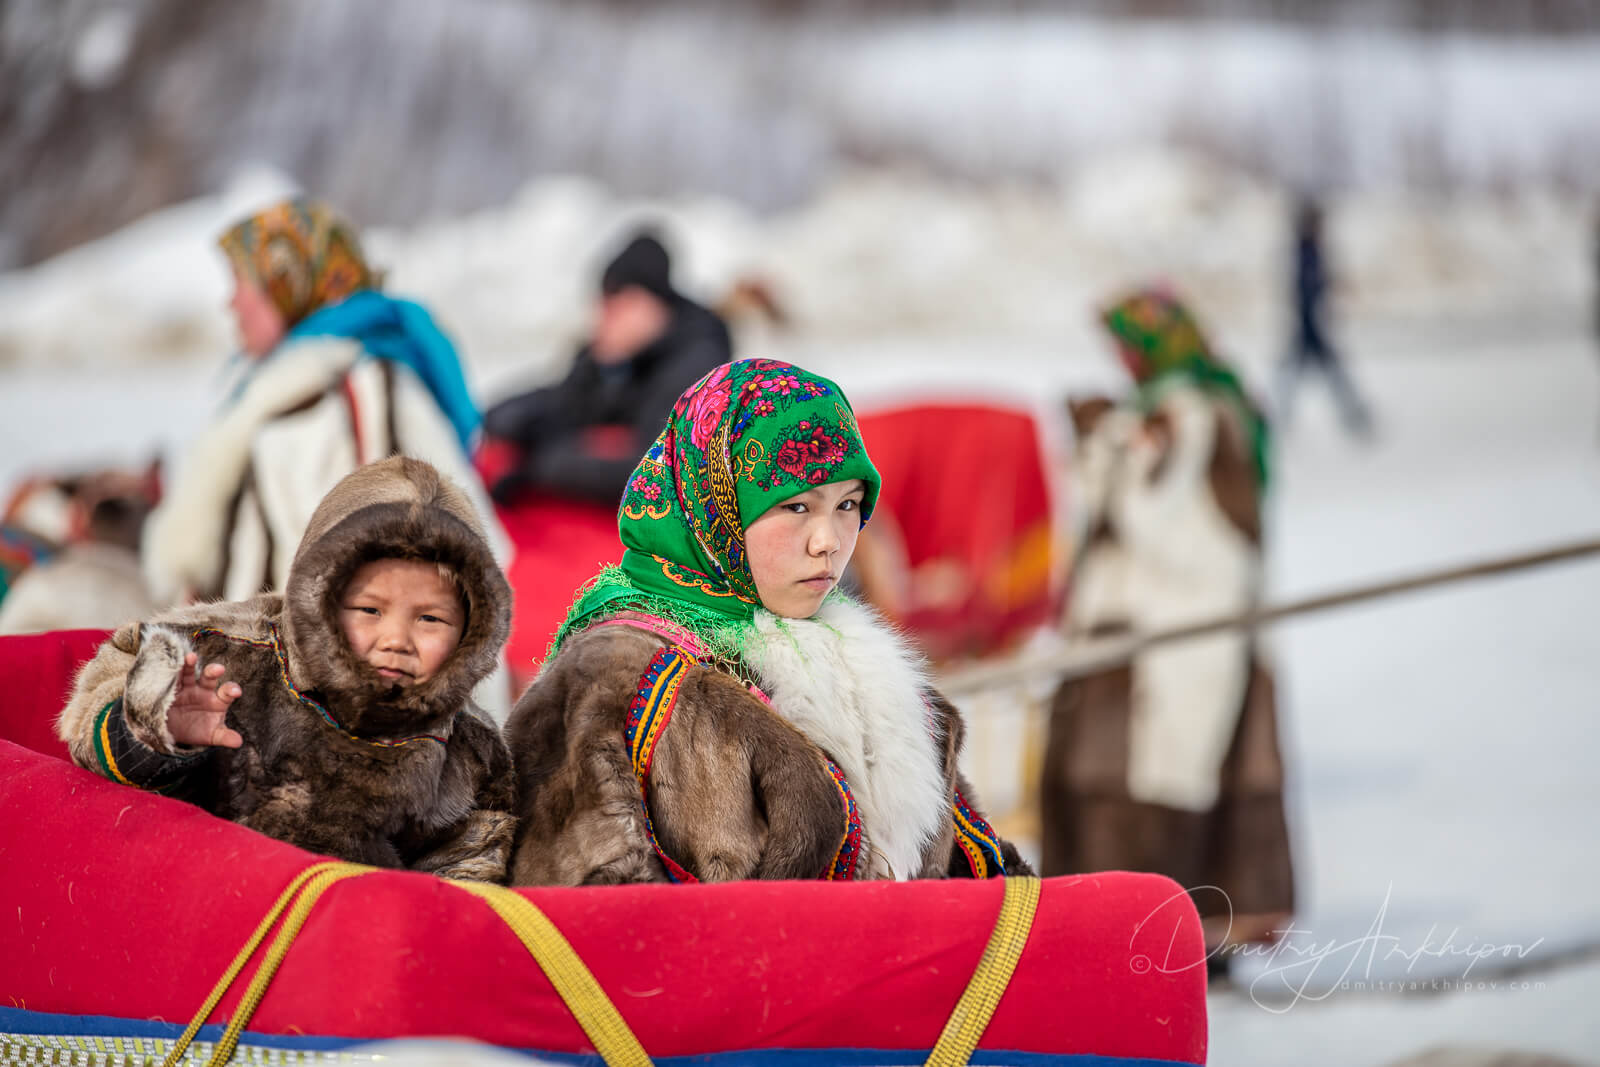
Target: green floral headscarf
[(747, 436), (1171, 349)]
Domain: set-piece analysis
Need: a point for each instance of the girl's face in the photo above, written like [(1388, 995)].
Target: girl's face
[(261, 324), (799, 548)]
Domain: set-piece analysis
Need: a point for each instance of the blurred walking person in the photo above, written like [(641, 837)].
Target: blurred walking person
[(1596, 263), (1171, 763), (1310, 349)]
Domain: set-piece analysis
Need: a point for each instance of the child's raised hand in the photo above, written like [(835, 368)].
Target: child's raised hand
[(200, 706)]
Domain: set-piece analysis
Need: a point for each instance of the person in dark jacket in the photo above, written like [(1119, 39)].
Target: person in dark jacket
[(582, 437), (1311, 348)]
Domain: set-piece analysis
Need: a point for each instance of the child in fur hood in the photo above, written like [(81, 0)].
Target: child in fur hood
[(335, 715), (714, 708)]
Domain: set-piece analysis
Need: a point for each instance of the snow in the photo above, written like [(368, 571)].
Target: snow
[(880, 254), (102, 49), (765, 104), (155, 289), (1440, 744)]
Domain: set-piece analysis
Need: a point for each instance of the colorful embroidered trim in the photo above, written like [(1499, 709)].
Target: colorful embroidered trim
[(669, 631), (648, 714), (843, 867), (276, 646), (977, 839), (102, 744), (675, 633)]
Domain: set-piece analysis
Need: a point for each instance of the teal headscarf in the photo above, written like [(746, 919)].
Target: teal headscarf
[(402, 332), (747, 436)]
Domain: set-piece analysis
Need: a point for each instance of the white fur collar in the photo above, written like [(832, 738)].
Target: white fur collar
[(848, 682)]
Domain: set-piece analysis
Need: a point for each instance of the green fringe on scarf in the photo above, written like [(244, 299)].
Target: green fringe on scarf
[(612, 591)]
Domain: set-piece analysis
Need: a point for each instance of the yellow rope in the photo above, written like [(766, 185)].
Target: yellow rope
[(316, 870), (982, 995), (573, 981), (280, 947)]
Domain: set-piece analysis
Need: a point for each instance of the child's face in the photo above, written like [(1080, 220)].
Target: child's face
[(260, 323), (799, 548), (403, 617)]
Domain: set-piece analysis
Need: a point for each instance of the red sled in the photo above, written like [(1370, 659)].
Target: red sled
[(121, 910)]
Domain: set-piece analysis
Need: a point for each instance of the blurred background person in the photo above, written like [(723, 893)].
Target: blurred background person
[(335, 374), (1310, 348), (1171, 763), (69, 550), (556, 458), (582, 437)]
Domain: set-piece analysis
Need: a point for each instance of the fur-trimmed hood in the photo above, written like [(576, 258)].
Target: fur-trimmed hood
[(398, 508)]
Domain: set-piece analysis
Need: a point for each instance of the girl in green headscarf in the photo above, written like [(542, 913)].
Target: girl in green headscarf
[(715, 708)]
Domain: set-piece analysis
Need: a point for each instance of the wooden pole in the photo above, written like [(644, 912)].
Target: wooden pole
[(1094, 655)]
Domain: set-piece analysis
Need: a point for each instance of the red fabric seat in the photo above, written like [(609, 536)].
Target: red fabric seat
[(36, 672), (965, 524), (124, 907), (560, 545)]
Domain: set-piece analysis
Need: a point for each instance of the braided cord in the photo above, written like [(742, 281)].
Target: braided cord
[(572, 979), (982, 995), (217, 991), (280, 947)]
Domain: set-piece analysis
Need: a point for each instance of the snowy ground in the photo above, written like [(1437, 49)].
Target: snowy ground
[(1440, 741), (1441, 744)]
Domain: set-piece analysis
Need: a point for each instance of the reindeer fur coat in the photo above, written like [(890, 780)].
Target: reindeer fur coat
[(414, 777), (739, 788)]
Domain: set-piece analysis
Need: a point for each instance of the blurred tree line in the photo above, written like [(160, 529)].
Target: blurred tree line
[(399, 109)]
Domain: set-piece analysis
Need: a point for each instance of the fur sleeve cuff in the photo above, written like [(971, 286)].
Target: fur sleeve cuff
[(123, 758), (153, 684)]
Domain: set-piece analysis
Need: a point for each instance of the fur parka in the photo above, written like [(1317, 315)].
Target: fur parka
[(739, 788), (336, 759)]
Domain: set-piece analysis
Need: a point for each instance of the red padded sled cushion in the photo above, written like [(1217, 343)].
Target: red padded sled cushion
[(125, 904), (36, 671)]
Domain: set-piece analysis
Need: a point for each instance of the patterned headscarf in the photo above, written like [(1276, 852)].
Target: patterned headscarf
[(1171, 348), (747, 436), (301, 254)]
